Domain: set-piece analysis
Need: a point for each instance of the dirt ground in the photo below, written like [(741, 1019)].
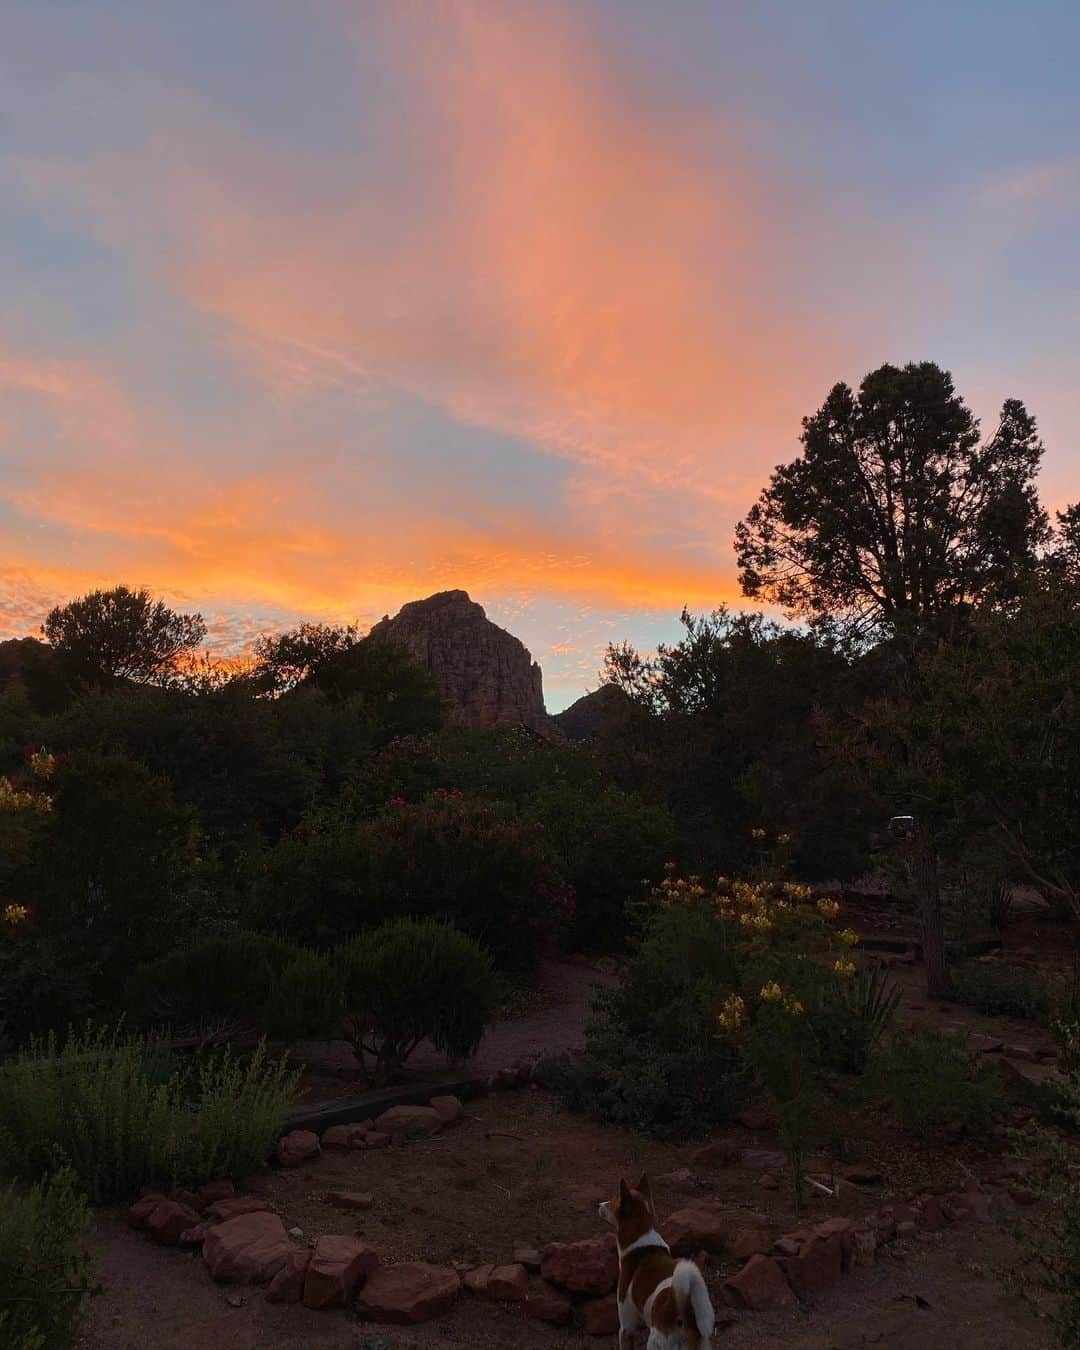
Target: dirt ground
[(519, 1171)]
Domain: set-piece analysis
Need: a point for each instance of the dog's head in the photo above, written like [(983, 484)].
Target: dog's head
[(630, 1212)]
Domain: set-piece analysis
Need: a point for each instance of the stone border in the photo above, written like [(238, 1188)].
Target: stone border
[(319, 1116)]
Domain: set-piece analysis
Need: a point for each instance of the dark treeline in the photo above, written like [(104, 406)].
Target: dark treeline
[(926, 668)]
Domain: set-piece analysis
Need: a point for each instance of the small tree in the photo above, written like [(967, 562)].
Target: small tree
[(122, 634)]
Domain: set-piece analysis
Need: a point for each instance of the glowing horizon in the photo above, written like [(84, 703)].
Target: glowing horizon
[(310, 314)]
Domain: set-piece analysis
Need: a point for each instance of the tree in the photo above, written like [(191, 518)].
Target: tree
[(895, 515), (285, 660), (122, 635)]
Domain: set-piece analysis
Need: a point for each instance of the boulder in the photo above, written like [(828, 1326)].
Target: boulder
[(760, 1285), (863, 1174), (141, 1210), (818, 1266), (408, 1293), (297, 1147), (287, 1286), (168, 1220), (716, 1228), (234, 1206), (528, 1257), (193, 1237), (762, 1159), (214, 1191), (602, 1317), (548, 1307), (375, 1139), (499, 1284), (449, 1108), (590, 1267), (341, 1137), (409, 1121), (249, 1249), (338, 1264)]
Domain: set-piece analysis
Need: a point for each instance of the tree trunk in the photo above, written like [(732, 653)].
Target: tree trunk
[(928, 885)]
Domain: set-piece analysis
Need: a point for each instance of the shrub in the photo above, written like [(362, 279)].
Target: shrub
[(611, 844), (239, 980), (935, 1083), (412, 980), (1051, 1244), (449, 858), (1002, 991), (44, 1274), (119, 1112), (653, 1061)]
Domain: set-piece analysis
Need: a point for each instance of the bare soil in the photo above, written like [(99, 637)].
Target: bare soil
[(521, 1172)]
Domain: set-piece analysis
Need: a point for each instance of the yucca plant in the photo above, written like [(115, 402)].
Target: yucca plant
[(852, 1017)]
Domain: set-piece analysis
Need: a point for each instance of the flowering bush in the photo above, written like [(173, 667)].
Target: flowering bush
[(448, 857), (733, 981)]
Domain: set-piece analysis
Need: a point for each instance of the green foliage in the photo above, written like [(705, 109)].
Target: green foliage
[(44, 1274), (411, 980), (460, 861), (121, 635), (612, 846), (653, 1061), (851, 1018), (1051, 1243), (121, 1116), (935, 1083), (895, 515), (236, 981), (1002, 991), (112, 864)]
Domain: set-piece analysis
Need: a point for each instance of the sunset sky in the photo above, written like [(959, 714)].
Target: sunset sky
[(311, 308)]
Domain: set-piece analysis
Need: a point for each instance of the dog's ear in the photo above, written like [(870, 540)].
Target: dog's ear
[(624, 1192), (645, 1187)]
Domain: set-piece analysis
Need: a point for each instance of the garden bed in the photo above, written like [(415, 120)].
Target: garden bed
[(521, 1172)]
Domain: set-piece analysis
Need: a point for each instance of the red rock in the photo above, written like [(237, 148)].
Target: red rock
[(548, 1307), (141, 1210), (168, 1220), (214, 1191), (287, 1286), (905, 1228), (337, 1265), (297, 1147), (602, 1317), (747, 1238), (193, 1237), (819, 1264), (717, 1153), (590, 1267), (1024, 1052), (864, 1246), (762, 1159), (449, 1108), (843, 1229), (928, 1215), (349, 1199), (500, 1284), (768, 1182), (983, 1045), (183, 1197), (338, 1137), (414, 1122), (788, 1245), (408, 1293), (234, 1206), (697, 1228), (528, 1257), (760, 1285), (249, 1249), (375, 1139)]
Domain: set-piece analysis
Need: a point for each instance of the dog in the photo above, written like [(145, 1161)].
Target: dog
[(667, 1296)]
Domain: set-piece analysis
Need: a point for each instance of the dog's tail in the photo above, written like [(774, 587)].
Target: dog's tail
[(691, 1294)]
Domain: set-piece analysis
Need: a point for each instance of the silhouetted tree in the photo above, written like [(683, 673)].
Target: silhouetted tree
[(895, 514), (122, 634), (285, 660)]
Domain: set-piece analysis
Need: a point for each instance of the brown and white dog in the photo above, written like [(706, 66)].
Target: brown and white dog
[(667, 1296)]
